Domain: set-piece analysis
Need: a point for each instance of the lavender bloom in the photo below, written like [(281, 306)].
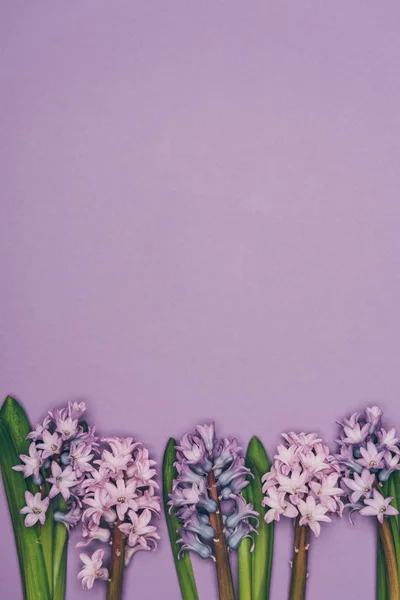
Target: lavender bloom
[(35, 509), (211, 474), (235, 536), (191, 542), (119, 498), (368, 456), (303, 482), (57, 454), (108, 486)]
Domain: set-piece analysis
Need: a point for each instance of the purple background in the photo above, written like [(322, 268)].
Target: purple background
[(200, 220)]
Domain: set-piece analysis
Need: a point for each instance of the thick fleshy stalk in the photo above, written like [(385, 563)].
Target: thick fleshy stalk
[(300, 562), (114, 591), (224, 574), (389, 552)]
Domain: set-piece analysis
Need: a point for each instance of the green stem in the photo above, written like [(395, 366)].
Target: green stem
[(389, 552), (224, 574), (245, 558), (114, 591), (300, 561), (60, 553)]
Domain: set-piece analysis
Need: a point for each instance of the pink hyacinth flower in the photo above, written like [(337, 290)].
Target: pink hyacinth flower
[(378, 506), (312, 513), (92, 569), (35, 509)]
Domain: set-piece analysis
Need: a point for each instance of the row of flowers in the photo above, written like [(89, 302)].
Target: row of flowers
[(108, 487)]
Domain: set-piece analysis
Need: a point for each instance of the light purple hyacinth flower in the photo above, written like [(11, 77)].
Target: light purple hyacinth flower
[(303, 482), (199, 455), (35, 509), (92, 568), (108, 485), (368, 455), (61, 453), (120, 495), (378, 506)]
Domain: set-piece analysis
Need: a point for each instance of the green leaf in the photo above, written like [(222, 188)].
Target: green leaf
[(245, 557), (27, 539), (258, 463), (60, 548), (19, 427), (183, 565)]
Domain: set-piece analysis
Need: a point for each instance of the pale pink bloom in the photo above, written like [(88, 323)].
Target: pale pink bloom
[(35, 509), (361, 485), (325, 489), (51, 444), (99, 507), (81, 458), (371, 458), (33, 462), (392, 460), (122, 446), (278, 506), (141, 468), (312, 513), (305, 441), (287, 456), (315, 463), (352, 420), (373, 415), (66, 426), (356, 434), (293, 485), (378, 506), (149, 500), (139, 531), (130, 551), (388, 440), (114, 463), (270, 479), (122, 496), (39, 429), (92, 569), (95, 533), (98, 478), (61, 481), (76, 409)]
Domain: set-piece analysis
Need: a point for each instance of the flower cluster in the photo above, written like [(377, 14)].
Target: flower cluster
[(105, 484), (120, 500), (303, 482), (60, 459), (211, 474), (368, 455)]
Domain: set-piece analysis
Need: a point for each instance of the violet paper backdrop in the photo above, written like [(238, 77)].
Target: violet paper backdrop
[(200, 220)]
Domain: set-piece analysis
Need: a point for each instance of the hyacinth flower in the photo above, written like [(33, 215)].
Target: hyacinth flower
[(206, 498), (56, 459), (119, 498), (303, 485), (369, 458), (105, 485)]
